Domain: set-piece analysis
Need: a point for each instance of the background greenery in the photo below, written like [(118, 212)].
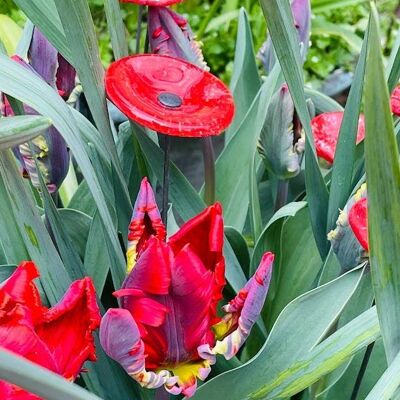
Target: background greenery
[(336, 35)]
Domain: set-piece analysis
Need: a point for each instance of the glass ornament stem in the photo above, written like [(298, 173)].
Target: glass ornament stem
[(166, 146), (139, 27), (209, 170)]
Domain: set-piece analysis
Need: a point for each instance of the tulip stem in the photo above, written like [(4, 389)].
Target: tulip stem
[(166, 146), (282, 194), (139, 28), (209, 170)]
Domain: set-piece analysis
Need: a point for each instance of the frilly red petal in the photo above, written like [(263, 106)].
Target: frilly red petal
[(67, 327), (22, 289), (358, 220), (153, 3), (326, 127)]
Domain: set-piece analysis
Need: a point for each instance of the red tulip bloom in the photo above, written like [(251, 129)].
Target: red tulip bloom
[(395, 101), (153, 3), (170, 96), (57, 338), (326, 129), (167, 331), (358, 220)]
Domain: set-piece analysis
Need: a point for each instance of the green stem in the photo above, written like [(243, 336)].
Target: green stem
[(208, 18), (139, 28), (165, 189), (282, 194), (209, 170)]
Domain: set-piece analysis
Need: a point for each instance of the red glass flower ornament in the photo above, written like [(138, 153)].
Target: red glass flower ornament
[(326, 127), (395, 101), (167, 331), (170, 96), (57, 338), (153, 3), (358, 220)]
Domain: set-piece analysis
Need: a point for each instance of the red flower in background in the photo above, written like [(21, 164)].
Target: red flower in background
[(170, 96), (326, 127), (167, 331), (57, 338), (395, 101), (358, 220)]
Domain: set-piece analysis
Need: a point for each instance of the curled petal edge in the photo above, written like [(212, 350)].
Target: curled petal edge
[(243, 312)]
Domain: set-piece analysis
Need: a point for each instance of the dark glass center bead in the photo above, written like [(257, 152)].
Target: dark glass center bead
[(169, 100)]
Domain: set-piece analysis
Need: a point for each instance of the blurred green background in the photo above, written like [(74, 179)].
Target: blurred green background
[(337, 30)]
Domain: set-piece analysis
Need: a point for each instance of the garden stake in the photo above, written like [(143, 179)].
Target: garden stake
[(166, 146)]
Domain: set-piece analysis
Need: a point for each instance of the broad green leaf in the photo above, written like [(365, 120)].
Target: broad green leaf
[(345, 385), (245, 81), (80, 33), (25, 40), (325, 357), (233, 188), (77, 225), (21, 129), (383, 180), (6, 271), (388, 383), (11, 242), (10, 33), (41, 250), (325, 5), (31, 90), (44, 14), (239, 246), (299, 264), (393, 66), (284, 38), (254, 199), (39, 380), (290, 341), (116, 28), (342, 170), (321, 26)]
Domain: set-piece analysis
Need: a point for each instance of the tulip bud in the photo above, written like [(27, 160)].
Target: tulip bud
[(280, 145), (171, 35), (344, 243), (301, 10)]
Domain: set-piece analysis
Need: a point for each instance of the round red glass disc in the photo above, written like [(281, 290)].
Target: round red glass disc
[(326, 127), (170, 96), (153, 3)]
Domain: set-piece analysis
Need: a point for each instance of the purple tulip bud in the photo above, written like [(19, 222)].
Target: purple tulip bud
[(301, 10), (49, 151), (171, 35)]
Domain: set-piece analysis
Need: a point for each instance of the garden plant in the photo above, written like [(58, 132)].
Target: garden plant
[(273, 273)]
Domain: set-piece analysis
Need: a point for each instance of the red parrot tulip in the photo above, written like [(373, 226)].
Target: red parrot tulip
[(395, 101), (57, 338), (326, 127), (358, 220), (170, 96), (167, 332), (153, 3)]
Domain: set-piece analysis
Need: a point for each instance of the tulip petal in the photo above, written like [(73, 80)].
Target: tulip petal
[(243, 310), (21, 288), (326, 127), (358, 220), (67, 327), (395, 101), (120, 339), (146, 222), (65, 79)]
